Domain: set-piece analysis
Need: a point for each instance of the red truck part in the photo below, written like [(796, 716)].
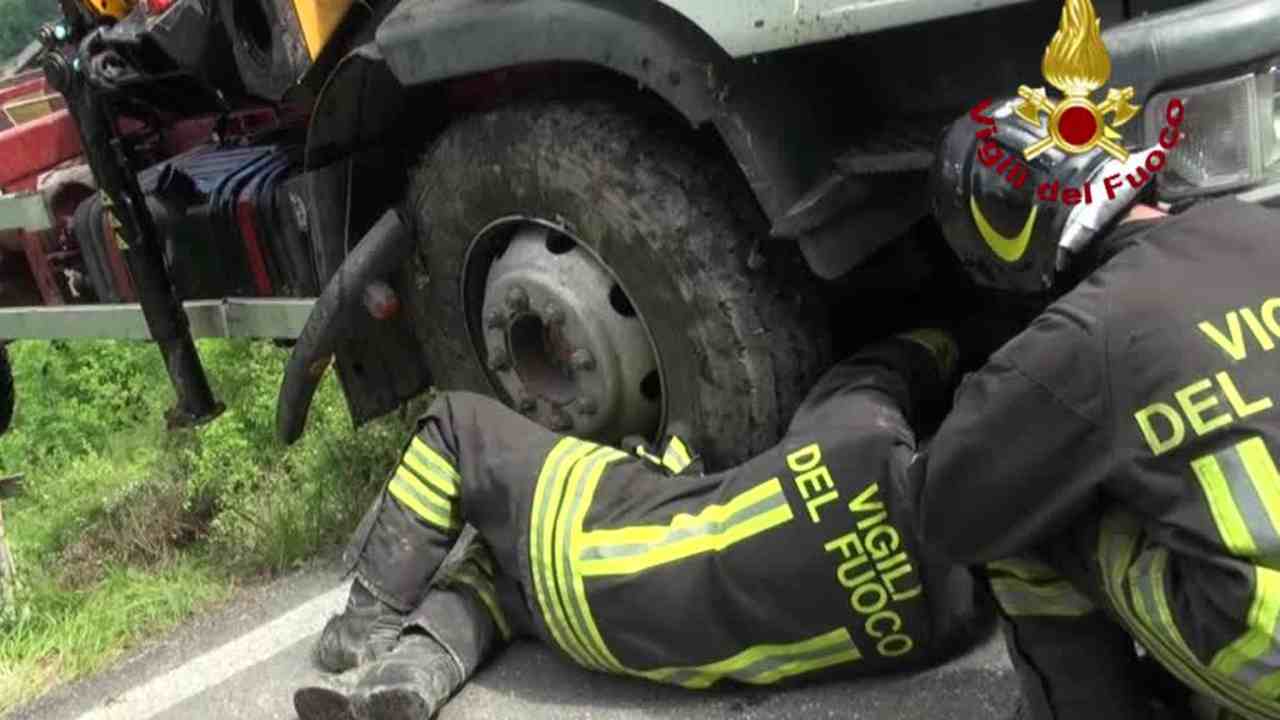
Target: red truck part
[(26, 85), (32, 148)]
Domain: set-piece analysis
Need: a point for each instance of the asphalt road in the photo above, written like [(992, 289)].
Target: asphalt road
[(243, 662)]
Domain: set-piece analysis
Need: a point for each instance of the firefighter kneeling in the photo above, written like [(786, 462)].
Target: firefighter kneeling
[(1114, 464), (799, 564)]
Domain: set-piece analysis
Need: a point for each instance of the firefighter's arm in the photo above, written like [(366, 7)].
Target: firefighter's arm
[(913, 369), (1024, 449)]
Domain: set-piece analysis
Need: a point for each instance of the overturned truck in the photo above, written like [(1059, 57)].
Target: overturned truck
[(620, 217)]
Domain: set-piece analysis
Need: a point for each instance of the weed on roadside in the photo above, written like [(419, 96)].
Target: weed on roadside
[(126, 529), (67, 633)]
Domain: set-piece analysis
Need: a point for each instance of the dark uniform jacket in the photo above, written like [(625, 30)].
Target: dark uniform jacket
[(1138, 416)]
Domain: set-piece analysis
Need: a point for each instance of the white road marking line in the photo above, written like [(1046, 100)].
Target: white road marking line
[(217, 666)]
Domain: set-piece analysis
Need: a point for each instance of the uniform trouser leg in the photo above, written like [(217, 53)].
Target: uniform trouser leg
[(1130, 569), (1076, 668), (461, 609), (1121, 570), (1073, 661), (472, 460), (801, 563)]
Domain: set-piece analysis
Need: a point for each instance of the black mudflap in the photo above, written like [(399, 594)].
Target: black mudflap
[(382, 366)]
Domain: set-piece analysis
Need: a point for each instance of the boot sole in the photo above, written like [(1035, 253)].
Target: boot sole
[(320, 703), (395, 704)]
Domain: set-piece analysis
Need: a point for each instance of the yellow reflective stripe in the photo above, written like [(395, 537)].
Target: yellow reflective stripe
[(411, 493), (644, 454), (1243, 489), (1249, 473), (426, 475), (426, 493), (432, 467), (1226, 515), (1147, 579), (1117, 545), (1118, 541), (1254, 657), (547, 498), (573, 642), (765, 664), (1261, 469), (543, 494), (1057, 599), (760, 664), (1149, 618), (677, 456), (1024, 568), (629, 550), (579, 609), (807, 666), (485, 590), (1269, 686), (575, 502)]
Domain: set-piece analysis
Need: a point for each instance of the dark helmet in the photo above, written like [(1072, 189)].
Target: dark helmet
[(986, 196)]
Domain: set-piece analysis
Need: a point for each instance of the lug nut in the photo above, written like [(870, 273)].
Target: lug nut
[(499, 360), (582, 359), (561, 421), (587, 406), (517, 299), (495, 320), (554, 315)]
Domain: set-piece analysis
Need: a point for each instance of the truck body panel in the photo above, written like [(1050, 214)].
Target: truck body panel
[(748, 27)]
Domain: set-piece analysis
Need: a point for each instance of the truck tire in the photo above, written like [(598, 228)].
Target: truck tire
[(573, 245), (268, 51)]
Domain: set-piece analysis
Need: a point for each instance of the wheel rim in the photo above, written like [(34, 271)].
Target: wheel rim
[(558, 333)]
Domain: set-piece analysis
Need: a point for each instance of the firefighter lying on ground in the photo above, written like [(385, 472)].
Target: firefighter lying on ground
[(1114, 465), (799, 564)]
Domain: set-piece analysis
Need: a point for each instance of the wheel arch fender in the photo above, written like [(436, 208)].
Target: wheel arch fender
[(424, 41), (755, 105), (423, 44)]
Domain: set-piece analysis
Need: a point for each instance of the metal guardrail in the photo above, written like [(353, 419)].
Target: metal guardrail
[(24, 211), (228, 318)]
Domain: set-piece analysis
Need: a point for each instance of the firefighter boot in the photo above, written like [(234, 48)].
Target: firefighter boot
[(409, 683), (329, 700), (366, 629)]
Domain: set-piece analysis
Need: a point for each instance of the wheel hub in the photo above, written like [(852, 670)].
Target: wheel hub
[(563, 340)]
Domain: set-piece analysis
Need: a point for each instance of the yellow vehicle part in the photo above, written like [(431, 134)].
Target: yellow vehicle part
[(318, 19), (110, 8)]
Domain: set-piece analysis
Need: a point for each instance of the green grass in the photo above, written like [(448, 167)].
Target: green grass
[(65, 633), (125, 529)]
